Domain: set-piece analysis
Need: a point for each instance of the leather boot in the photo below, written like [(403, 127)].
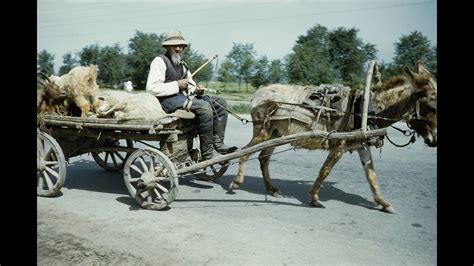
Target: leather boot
[(205, 142), (219, 146)]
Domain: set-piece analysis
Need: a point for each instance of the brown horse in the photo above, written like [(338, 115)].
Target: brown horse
[(411, 98)]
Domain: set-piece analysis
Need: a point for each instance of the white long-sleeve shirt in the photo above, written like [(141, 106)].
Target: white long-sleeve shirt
[(155, 83)]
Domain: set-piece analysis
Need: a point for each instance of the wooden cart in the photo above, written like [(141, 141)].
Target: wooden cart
[(150, 173), (111, 144)]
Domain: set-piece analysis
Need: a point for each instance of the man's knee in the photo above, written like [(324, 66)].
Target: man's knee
[(202, 109), (221, 101)]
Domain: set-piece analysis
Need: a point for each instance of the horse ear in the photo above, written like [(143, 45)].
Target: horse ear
[(407, 71), (412, 77), (421, 69)]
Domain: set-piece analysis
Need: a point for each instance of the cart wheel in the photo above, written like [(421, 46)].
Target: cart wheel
[(212, 172), (50, 166), (112, 160), (151, 178)]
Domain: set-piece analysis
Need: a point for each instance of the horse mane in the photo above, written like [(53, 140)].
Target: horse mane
[(390, 83)]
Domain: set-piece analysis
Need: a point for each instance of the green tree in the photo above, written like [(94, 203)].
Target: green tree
[(412, 47), (276, 72), (347, 54), (110, 62), (225, 73), (310, 63), (89, 55), (306, 66), (44, 62), (387, 70), (143, 48), (112, 65), (69, 62), (261, 72), (323, 56), (241, 56)]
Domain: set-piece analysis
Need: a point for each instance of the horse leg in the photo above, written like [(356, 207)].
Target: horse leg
[(264, 159), (259, 135), (366, 160), (333, 157)]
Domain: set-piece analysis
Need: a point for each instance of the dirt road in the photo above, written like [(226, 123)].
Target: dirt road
[(96, 221)]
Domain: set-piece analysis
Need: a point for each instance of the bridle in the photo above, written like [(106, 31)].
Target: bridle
[(415, 115)]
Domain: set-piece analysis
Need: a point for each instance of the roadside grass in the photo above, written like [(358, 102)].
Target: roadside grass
[(241, 108), (231, 91)]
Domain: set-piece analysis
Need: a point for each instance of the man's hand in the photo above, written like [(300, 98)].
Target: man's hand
[(199, 90), (183, 84)]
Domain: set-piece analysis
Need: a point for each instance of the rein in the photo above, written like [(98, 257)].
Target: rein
[(405, 133), (413, 116), (243, 120), (334, 110)]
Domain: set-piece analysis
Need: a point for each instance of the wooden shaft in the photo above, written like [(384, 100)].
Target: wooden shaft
[(365, 108), (354, 135), (201, 67)]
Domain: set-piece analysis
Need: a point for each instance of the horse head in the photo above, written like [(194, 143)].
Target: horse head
[(424, 117)]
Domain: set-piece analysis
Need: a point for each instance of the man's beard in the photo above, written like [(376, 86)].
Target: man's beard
[(176, 58)]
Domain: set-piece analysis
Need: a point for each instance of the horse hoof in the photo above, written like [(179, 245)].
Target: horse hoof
[(389, 209), (277, 194), (233, 186), (317, 204)]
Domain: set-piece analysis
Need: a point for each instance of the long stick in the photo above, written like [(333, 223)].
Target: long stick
[(203, 65), (354, 135)]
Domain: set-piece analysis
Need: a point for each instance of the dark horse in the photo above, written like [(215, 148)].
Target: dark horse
[(411, 98)]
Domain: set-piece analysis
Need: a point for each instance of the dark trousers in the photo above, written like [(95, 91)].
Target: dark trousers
[(209, 110)]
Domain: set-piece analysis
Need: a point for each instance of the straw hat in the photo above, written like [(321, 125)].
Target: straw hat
[(174, 38)]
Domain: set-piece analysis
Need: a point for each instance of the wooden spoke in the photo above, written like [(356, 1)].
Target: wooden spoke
[(145, 168), (152, 162), (160, 196), (51, 171), (117, 158), (119, 155), (162, 188), (134, 167), (138, 193), (113, 158), (157, 193), (106, 157), (160, 178), (49, 183), (51, 156), (48, 154), (51, 162), (159, 170), (212, 172), (41, 181)]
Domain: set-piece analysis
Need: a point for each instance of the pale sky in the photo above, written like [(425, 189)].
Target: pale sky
[(213, 26)]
